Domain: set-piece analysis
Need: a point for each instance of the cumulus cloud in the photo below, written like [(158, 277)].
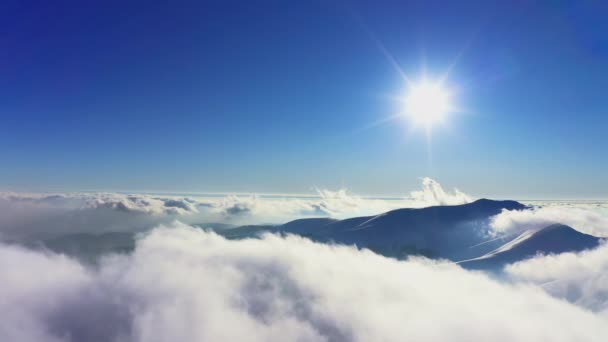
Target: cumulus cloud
[(339, 204), (23, 214), (141, 203), (183, 284), (432, 193), (517, 221), (581, 278), (128, 203)]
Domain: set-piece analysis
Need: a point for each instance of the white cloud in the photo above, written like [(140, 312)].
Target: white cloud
[(147, 204), (583, 220), (581, 278), (184, 284), (141, 203), (432, 193), (23, 214), (337, 204)]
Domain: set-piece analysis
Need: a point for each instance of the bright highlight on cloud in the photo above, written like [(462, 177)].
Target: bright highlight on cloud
[(518, 221), (432, 193), (184, 284)]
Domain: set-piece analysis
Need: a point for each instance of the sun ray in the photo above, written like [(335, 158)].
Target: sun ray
[(378, 122)]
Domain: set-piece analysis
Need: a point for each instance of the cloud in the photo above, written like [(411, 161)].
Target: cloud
[(339, 204), (184, 284), (581, 278), (234, 206), (432, 193), (147, 204), (23, 215), (517, 221), (56, 299), (140, 204), (26, 214)]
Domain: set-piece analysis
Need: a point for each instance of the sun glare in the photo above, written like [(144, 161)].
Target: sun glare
[(427, 103)]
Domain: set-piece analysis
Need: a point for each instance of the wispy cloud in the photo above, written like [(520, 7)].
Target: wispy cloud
[(432, 193)]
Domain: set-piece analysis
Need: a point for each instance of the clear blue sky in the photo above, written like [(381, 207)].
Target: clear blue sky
[(274, 96)]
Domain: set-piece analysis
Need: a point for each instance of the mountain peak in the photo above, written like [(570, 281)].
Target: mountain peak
[(505, 204)]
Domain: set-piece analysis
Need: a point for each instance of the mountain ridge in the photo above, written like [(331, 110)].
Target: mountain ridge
[(553, 239), (458, 233), (436, 231)]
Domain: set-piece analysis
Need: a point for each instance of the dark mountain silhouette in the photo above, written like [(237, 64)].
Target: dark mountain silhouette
[(554, 239), (307, 227), (215, 226), (249, 231), (440, 231)]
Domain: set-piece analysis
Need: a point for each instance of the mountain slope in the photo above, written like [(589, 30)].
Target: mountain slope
[(554, 239), (440, 231), (451, 232)]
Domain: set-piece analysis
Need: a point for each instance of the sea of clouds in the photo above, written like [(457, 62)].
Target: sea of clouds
[(23, 214), (187, 284)]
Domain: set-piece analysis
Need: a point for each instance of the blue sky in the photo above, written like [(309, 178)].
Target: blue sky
[(279, 96)]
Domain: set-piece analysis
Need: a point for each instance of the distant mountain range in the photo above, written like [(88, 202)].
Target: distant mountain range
[(458, 233)]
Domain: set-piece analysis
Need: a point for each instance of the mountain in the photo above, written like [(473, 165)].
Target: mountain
[(456, 233), (215, 226), (554, 239), (249, 231), (307, 227), (439, 231)]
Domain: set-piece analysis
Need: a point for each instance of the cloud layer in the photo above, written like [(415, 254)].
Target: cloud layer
[(23, 214), (581, 278), (184, 284), (584, 220)]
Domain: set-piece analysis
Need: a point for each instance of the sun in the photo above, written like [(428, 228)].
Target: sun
[(427, 103)]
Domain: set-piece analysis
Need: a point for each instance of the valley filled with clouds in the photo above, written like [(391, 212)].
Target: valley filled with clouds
[(185, 278)]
